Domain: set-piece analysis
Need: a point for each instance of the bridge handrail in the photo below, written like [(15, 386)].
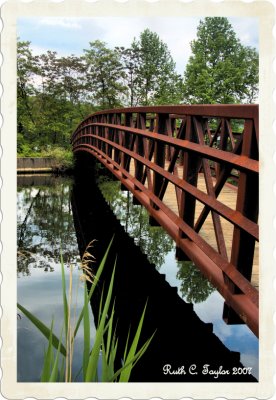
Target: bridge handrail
[(236, 111), (213, 154), (195, 140)]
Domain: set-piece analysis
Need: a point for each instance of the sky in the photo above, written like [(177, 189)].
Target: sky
[(69, 36)]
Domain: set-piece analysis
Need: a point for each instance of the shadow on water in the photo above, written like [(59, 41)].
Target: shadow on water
[(182, 344)]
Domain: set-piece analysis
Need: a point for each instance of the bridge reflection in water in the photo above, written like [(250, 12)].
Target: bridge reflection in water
[(181, 338)]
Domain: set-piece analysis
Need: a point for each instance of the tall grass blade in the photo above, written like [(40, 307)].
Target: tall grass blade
[(86, 333), (110, 331), (43, 328), (46, 371), (126, 346), (132, 362), (64, 296), (112, 358), (97, 277), (107, 366), (104, 364), (54, 374), (94, 356), (131, 353), (62, 371), (142, 350)]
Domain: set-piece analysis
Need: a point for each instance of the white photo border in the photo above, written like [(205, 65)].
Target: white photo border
[(265, 11)]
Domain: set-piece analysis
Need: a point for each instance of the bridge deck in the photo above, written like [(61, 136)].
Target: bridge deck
[(228, 196)]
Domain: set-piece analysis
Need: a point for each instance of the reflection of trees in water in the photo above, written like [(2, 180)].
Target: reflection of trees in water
[(44, 226), (194, 286), (153, 241)]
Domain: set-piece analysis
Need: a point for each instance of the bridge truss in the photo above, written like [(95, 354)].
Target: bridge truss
[(151, 149)]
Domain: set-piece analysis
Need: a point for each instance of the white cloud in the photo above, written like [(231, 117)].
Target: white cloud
[(67, 23), (176, 32)]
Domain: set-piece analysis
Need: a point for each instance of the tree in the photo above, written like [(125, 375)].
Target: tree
[(221, 69), (131, 62), (26, 72), (51, 99), (157, 81), (105, 75), (61, 96)]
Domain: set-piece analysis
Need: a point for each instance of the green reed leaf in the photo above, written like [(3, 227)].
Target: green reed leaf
[(42, 327), (124, 377), (64, 296), (86, 333), (54, 373), (94, 356), (48, 357), (97, 277)]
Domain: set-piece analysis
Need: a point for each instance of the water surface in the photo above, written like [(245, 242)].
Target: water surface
[(45, 226)]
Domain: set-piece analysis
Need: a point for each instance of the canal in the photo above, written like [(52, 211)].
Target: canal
[(57, 214)]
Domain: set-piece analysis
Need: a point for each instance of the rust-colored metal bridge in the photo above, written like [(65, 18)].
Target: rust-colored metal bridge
[(195, 169)]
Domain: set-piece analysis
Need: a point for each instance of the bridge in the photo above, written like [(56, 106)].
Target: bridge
[(195, 169)]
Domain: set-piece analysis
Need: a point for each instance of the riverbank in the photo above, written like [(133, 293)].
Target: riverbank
[(33, 165)]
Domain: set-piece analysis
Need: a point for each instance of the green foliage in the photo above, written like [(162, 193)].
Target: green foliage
[(51, 99), (105, 342), (157, 81), (63, 159), (104, 75), (221, 69), (194, 286), (153, 241)]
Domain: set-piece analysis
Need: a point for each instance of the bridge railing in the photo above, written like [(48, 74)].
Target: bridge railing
[(202, 151)]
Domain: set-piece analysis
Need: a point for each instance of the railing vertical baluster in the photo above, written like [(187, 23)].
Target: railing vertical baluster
[(222, 143), (190, 175), (117, 121), (104, 130), (95, 131), (169, 128), (160, 150), (127, 141), (162, 127), (102, 118), (110, 134), (139, 148)]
